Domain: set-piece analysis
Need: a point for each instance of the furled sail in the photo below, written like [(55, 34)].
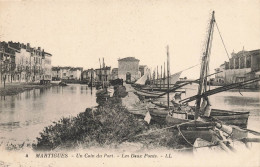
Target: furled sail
[(142, 80), (175, 77)]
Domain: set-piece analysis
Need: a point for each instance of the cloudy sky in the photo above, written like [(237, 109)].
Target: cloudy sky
[(78, 33)]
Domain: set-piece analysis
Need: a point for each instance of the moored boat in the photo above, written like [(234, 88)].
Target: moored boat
[(158, 115), (236, 118)]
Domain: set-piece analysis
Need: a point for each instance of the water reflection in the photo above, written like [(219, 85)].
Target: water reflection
[(28, 113)]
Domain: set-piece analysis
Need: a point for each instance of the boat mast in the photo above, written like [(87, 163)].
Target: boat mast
[(91, 79), (153, 78), (204, 66), (164, 77), (104, 78), (100, 71), (161, 79), (168, 74)]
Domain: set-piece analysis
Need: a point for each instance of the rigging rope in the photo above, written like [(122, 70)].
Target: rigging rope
[(222, 39), (183, 136), (163, 128)]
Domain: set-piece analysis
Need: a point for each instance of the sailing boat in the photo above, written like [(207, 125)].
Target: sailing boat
[(158, 113), (153, 91), (200, 125), (185, 113), (139, 88), (102, 94)]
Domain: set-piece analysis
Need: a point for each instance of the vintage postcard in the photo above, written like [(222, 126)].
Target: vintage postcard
[(129, 83)]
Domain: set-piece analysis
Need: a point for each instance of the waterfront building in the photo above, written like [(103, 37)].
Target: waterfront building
[(86, 75), (22, 63), (143, 69), (7, 63), (114, 74), (56, 73), (36, 64), (66, 73), (75, 73), (242, 66), (47, 67), (103, 74), (128, 69)]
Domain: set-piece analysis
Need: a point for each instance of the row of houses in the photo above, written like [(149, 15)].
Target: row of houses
[(242, 66), (68, 73), (22, 63), (128, 70)]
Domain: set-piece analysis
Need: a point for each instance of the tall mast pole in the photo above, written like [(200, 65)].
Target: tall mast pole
[(164, 76), (157, 77), (100, 71), (161, 79), (104, 78), (153, 77), (204, 66), (91, 79), (168, 79)]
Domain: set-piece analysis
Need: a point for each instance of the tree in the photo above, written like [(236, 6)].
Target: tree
[(5, 67)]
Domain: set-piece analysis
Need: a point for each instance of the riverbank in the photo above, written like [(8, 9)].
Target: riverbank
[(108, 125), (16, 88)]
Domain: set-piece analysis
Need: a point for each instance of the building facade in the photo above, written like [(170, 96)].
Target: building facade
[(114, 73), (87, 74), (66, 73), (22, 63), (103, 74), (47, 67), (143, 69), (242, 66), (128, 69)]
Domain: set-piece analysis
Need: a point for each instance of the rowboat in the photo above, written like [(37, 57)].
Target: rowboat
[(162, 115), (147, 94), (158, 115)]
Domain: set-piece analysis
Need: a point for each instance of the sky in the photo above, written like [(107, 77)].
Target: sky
[(78, 33)]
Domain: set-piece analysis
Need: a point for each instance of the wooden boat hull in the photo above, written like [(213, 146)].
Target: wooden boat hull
[(193, 134), (163, 89), (147, 94), (170, 120), (158, 115), (239, 119), (190, 131)]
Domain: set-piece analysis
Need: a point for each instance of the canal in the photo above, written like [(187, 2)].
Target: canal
[(23, 116)]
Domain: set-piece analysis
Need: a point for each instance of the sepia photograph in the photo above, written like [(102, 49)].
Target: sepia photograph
[(129, 83)]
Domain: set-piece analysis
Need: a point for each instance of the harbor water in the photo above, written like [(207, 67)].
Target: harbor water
[(24, 116)]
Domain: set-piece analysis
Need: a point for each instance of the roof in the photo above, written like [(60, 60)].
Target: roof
[(67, 68), (253, 51), (115, 69), (244, 52), (142, 66), (104, 68), (47, 53), (128, 59)]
